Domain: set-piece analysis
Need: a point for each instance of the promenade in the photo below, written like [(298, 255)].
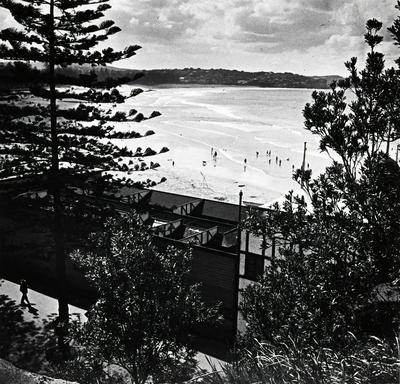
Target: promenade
[(43, 307)]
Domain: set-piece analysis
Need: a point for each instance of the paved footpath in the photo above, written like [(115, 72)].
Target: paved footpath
[(44, 306)]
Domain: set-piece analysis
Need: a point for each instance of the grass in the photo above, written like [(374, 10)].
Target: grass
[(372, 362)]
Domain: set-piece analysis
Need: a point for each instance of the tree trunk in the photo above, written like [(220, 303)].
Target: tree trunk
[(56, 183)]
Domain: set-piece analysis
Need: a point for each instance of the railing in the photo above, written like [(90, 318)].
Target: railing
[(186, 209), (135, 198), (167, 228), (201, 238)]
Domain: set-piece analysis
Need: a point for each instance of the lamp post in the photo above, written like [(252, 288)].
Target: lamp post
[(303, 165), (240, 202), (235, 308)]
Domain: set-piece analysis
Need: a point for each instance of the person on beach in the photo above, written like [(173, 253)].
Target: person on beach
[(244, 165), (269, 162), (257, 154), (173, 163), (23, 287), (280, 162), (276, 159)]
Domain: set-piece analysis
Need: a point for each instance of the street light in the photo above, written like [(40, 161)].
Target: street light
[(303, 165), (240, 202), (237, 267)]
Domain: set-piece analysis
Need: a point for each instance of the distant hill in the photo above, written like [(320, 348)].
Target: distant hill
[(188, 76), (232, 77)]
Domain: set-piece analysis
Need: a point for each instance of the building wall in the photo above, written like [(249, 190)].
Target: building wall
[(215, 271)]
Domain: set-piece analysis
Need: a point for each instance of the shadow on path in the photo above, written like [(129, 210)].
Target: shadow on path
[(22, 342), (31, 309)]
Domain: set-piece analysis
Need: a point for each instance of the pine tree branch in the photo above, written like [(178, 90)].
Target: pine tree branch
[(13, 35), (22, 54)]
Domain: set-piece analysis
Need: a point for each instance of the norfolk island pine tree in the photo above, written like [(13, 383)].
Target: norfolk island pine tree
[(322, 291), (56, 33)]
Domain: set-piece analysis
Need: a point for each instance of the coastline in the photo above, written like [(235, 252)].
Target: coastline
[(200, 85), (236, 122)]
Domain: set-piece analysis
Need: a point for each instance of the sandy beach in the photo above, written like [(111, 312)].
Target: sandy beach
[(235, 123)]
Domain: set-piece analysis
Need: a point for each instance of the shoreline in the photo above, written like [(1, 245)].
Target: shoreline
[(201, 85), (235, 122)]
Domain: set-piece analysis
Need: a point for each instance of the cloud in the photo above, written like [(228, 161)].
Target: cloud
[(321, 5), (304, 36), (161, 20), (307, 36), (281, 25), (294, 29)]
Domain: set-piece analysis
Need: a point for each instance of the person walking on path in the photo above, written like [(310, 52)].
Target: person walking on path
[(24, 290)]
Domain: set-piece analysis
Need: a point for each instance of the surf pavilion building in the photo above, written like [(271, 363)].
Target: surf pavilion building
[(225, 259)]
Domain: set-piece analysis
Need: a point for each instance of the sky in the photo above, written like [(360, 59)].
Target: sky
[(311, 37)]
